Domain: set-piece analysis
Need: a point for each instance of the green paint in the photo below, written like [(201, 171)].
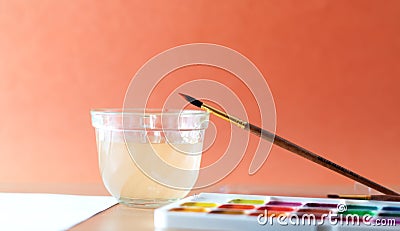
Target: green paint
[(361, 207), (245, 201), (359, 212)]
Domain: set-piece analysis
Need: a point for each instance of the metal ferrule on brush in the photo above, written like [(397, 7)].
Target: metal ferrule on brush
[(234, 120)]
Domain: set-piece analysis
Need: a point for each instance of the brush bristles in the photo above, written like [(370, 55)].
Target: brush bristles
[(192, 100)]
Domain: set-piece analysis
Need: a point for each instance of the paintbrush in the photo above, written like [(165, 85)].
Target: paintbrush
[(366, 197), (288, 145)]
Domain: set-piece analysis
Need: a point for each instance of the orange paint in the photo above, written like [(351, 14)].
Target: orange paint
[(192, 210), (199, 204)]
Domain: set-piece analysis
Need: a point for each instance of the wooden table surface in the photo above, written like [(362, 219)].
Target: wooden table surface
[(121, 217)]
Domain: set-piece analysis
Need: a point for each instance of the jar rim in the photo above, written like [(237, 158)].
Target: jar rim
[(146, 111)]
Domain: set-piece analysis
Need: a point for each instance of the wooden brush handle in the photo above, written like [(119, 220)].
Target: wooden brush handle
[(294, 148)]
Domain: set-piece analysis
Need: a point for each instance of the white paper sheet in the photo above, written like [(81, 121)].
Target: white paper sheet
[(36, 211)]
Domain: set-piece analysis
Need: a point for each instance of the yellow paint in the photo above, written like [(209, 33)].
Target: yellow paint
[(199, 204)]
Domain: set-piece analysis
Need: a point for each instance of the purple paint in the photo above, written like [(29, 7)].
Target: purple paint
[(284, 203), (321, 205)]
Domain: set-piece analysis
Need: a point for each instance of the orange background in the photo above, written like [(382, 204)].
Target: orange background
[(332, 66)]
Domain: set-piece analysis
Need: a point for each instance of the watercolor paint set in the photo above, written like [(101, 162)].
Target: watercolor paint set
[(217, 211)]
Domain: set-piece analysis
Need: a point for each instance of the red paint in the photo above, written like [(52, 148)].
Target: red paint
[(314, 211), (229, 212), (269, 213), (276, 208)]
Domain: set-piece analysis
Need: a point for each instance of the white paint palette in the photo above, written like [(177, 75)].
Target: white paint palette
[(216, 211)]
